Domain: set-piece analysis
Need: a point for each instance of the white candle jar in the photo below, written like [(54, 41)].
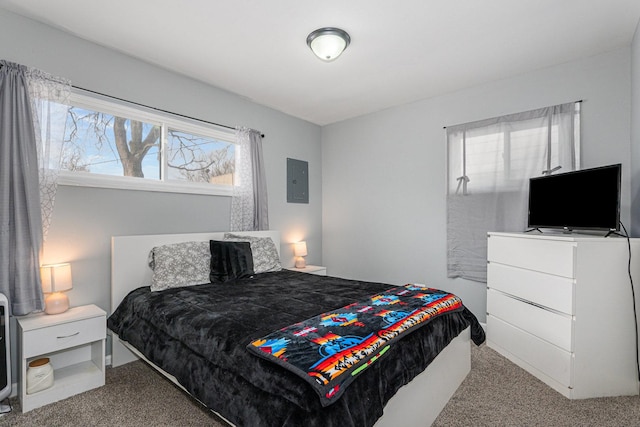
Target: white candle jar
[(39, 375)]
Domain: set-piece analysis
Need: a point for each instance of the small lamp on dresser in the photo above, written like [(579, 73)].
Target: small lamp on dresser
[(56, 278), (300, 251)]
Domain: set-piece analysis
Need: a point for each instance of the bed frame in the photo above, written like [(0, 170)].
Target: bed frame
[(417, 403)]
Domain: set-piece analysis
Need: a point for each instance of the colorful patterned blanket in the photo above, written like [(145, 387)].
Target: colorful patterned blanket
[(330, 350)]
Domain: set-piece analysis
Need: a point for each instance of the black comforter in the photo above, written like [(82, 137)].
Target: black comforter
[(199, 334)]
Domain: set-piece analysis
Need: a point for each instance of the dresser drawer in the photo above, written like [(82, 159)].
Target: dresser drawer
[(49, 339), (545, 357), (546, 256), (555, 292), (549, 326)]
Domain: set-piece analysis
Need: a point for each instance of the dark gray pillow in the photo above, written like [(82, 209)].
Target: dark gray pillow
[(230, 260)]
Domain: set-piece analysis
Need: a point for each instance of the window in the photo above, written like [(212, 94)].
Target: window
[(489, 166), (108, 144), (503, 155), (198, 158)]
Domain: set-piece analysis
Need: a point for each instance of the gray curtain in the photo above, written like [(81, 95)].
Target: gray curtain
[(25, 181), (249, 204), (261, 214)]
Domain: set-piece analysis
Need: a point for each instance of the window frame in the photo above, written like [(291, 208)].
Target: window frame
[(123, 109)]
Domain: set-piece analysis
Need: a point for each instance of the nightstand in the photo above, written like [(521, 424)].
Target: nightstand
[(311, 269), (74, 343)]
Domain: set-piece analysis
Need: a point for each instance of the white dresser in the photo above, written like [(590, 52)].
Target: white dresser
[(561, 308)]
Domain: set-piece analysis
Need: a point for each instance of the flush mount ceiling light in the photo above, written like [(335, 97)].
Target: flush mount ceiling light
[(328, 43)]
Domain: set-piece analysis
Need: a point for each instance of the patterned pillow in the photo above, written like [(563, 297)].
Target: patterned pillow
[(265, 254), (180, 264)]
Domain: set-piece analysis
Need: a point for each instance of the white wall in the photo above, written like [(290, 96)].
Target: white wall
[(384, 211)]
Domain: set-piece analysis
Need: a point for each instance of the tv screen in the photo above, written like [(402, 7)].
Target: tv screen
[(587, 199)]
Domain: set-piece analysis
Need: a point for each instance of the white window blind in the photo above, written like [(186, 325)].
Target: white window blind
[(489, 166)]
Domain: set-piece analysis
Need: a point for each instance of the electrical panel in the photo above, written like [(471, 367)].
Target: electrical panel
[(297, 181)]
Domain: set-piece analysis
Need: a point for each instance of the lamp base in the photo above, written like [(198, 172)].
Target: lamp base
[(56, 303), (300, 262)]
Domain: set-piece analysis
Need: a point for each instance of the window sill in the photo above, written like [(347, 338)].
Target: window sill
[(140, 184)]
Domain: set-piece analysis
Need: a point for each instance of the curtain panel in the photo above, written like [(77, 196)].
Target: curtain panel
[(249, 203), (50, 107), (30, 140), (489, 166)]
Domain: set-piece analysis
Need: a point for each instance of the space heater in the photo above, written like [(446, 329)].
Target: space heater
[(5, 357)]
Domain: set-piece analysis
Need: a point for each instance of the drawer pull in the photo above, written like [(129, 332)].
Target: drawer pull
[(68, 336)]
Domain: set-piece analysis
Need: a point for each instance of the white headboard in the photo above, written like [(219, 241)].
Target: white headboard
[(129, 268)]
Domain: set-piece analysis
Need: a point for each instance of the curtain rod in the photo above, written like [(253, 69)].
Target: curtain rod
[(153, 108), (157, 109), (578, 101)]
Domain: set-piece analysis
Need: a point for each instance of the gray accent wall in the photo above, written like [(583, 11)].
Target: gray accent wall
[(635, 145), (384, 174), (635, 134), (84, 218)]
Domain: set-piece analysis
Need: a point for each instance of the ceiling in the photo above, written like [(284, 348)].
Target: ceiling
[(401, 51)]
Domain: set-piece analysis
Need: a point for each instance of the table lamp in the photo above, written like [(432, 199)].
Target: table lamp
[(300, 251), (56, 278)]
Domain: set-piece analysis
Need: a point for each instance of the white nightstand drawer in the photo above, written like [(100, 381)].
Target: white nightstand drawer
[(555, 292), (66, 335), (552, 327), (546, 256), (547, 358)]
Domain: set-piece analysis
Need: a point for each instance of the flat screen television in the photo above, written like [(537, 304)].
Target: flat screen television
[(588, 199)]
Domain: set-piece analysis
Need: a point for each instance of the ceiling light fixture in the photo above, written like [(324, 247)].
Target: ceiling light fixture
[(328, 43)]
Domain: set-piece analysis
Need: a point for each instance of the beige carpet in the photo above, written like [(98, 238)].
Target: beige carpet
[(499, 393), (496, 393), (134, 395)]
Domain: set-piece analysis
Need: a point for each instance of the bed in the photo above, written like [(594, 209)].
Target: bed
[(246, 390)]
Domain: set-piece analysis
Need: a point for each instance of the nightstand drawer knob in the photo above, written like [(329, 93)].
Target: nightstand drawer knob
[(68, 336)]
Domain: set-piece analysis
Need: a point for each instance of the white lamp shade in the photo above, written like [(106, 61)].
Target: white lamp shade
[(328, 43), (300, 249), (56, 277)]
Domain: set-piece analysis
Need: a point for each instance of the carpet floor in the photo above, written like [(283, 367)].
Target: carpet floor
[(495, 393)]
